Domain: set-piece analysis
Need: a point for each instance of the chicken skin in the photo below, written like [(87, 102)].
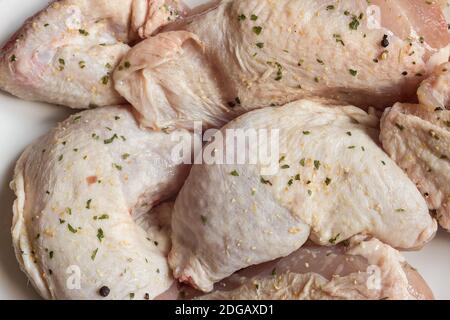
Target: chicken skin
[(66, 53), (248, 54), (333, 181), (83, 191)]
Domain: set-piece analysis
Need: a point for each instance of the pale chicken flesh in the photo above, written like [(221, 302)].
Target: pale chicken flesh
[(434, 92), (333, 182), (82, 194), (247, 54), (417, 137), (66, 53), (359, 269)]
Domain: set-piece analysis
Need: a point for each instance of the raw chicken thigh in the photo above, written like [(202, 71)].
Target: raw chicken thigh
[(66, 53), (332, 182), (79, 189), (417, 137), (247, 54)]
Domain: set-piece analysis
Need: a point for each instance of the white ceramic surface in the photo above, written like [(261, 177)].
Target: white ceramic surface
[(21, 122)]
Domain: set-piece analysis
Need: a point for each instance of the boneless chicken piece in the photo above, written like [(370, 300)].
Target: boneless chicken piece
[(358, 269), (417, 137), (66, 53), (332, 181), (361, 270), (247, 54), (80, 229)]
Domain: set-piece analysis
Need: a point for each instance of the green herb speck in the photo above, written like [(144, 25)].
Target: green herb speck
[(264, 181), (71, 229), (110, 140), (257, 30), (354, 24), (105, 79), (94, 254), (242, 17), (100, 234), (317, 164), (83, 32), (334, 239)]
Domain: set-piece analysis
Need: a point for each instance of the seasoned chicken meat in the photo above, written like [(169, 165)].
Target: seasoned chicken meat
[(247, 54), (358, 269), (83, 191), (417, 137), (332, 182), (365, 269), (66, 53), (303, 194), (434, 92)]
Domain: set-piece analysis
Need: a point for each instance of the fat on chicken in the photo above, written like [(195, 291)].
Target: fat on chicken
[(66, 53), (247, 54), (417, 137), (333, 181), (80, 227)]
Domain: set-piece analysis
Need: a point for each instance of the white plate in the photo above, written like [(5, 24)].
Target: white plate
[(21, 122)]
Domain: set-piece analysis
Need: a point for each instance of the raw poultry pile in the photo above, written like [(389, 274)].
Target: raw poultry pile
[(356, 90)]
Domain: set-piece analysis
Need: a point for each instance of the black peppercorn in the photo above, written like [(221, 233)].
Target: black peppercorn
[(147, 296), (104, 291), (404, 73), (231, 104), (385, 41)]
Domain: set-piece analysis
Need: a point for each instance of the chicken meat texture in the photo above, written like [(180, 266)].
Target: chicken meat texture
[(66, 53), (417, 137), (333, 182), (247, 54), (359, 269), (434, 92), (83, 192)]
